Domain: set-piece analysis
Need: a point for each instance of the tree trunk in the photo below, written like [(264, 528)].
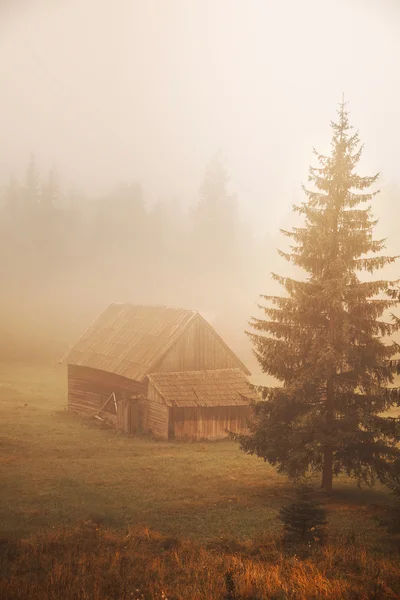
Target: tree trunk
[(327, 471)]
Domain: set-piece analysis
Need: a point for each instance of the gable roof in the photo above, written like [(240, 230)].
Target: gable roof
[(129, 339), (225, 345), (222, 387)]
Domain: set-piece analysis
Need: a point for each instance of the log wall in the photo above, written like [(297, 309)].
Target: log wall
[(207, 423), (88, 389), (157, 414)]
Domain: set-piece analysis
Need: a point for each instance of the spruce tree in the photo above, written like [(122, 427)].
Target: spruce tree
[(304, 520), (390, 520), (32, 185), (327, 338), (215, 226), (50, 191)]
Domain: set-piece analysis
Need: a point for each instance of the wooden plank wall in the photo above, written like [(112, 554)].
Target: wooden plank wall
[(198, 348), (88, 389), (143, 415), (157, 414), (123, 420), (209, 423), (130, 415)]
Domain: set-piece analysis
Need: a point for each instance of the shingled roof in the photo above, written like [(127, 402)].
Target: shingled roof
[(129, 339), (222, 387)]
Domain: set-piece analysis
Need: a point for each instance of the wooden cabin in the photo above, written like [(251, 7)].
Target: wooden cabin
[(160, 370), (198, 404)]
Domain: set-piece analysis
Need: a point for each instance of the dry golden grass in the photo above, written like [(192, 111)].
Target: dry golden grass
[(89, 562)]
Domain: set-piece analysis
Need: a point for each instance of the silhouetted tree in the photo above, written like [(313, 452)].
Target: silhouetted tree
[(324, 339), (50, 191), (304, 520), (215, 232), (390, 520)]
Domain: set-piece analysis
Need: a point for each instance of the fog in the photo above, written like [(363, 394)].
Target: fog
[(147, 93)]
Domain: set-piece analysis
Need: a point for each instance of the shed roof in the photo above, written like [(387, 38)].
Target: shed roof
[(129, 339), (222, 387)]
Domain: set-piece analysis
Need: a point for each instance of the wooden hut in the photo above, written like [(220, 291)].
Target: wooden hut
[(159, 369), (198, 404)]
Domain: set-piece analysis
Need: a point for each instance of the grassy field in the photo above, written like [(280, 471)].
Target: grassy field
[(96, 507), (56, 469)]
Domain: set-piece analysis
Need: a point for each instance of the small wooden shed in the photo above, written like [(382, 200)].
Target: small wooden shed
[(119, 366), (198, 405)]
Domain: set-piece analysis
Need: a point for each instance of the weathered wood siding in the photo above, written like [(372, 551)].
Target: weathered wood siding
[(208, 423), (157, 414), (88, 389), (198, 348), (130, 415), (123, 420)]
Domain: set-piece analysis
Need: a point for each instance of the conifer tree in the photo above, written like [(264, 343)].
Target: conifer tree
[(50, 191), (303, 519), (215, 235), (327, 339), (390, 520), (32, 185), (215, 216)]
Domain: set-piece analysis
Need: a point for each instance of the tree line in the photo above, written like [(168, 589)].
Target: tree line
[(64, 256)]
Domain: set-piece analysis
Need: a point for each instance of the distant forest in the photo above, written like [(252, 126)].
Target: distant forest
[(64, 257)]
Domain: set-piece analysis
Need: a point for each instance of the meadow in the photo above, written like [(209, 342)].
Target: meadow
[(79, 499)]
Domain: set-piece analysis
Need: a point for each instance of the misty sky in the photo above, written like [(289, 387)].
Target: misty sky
[(149, 90)]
